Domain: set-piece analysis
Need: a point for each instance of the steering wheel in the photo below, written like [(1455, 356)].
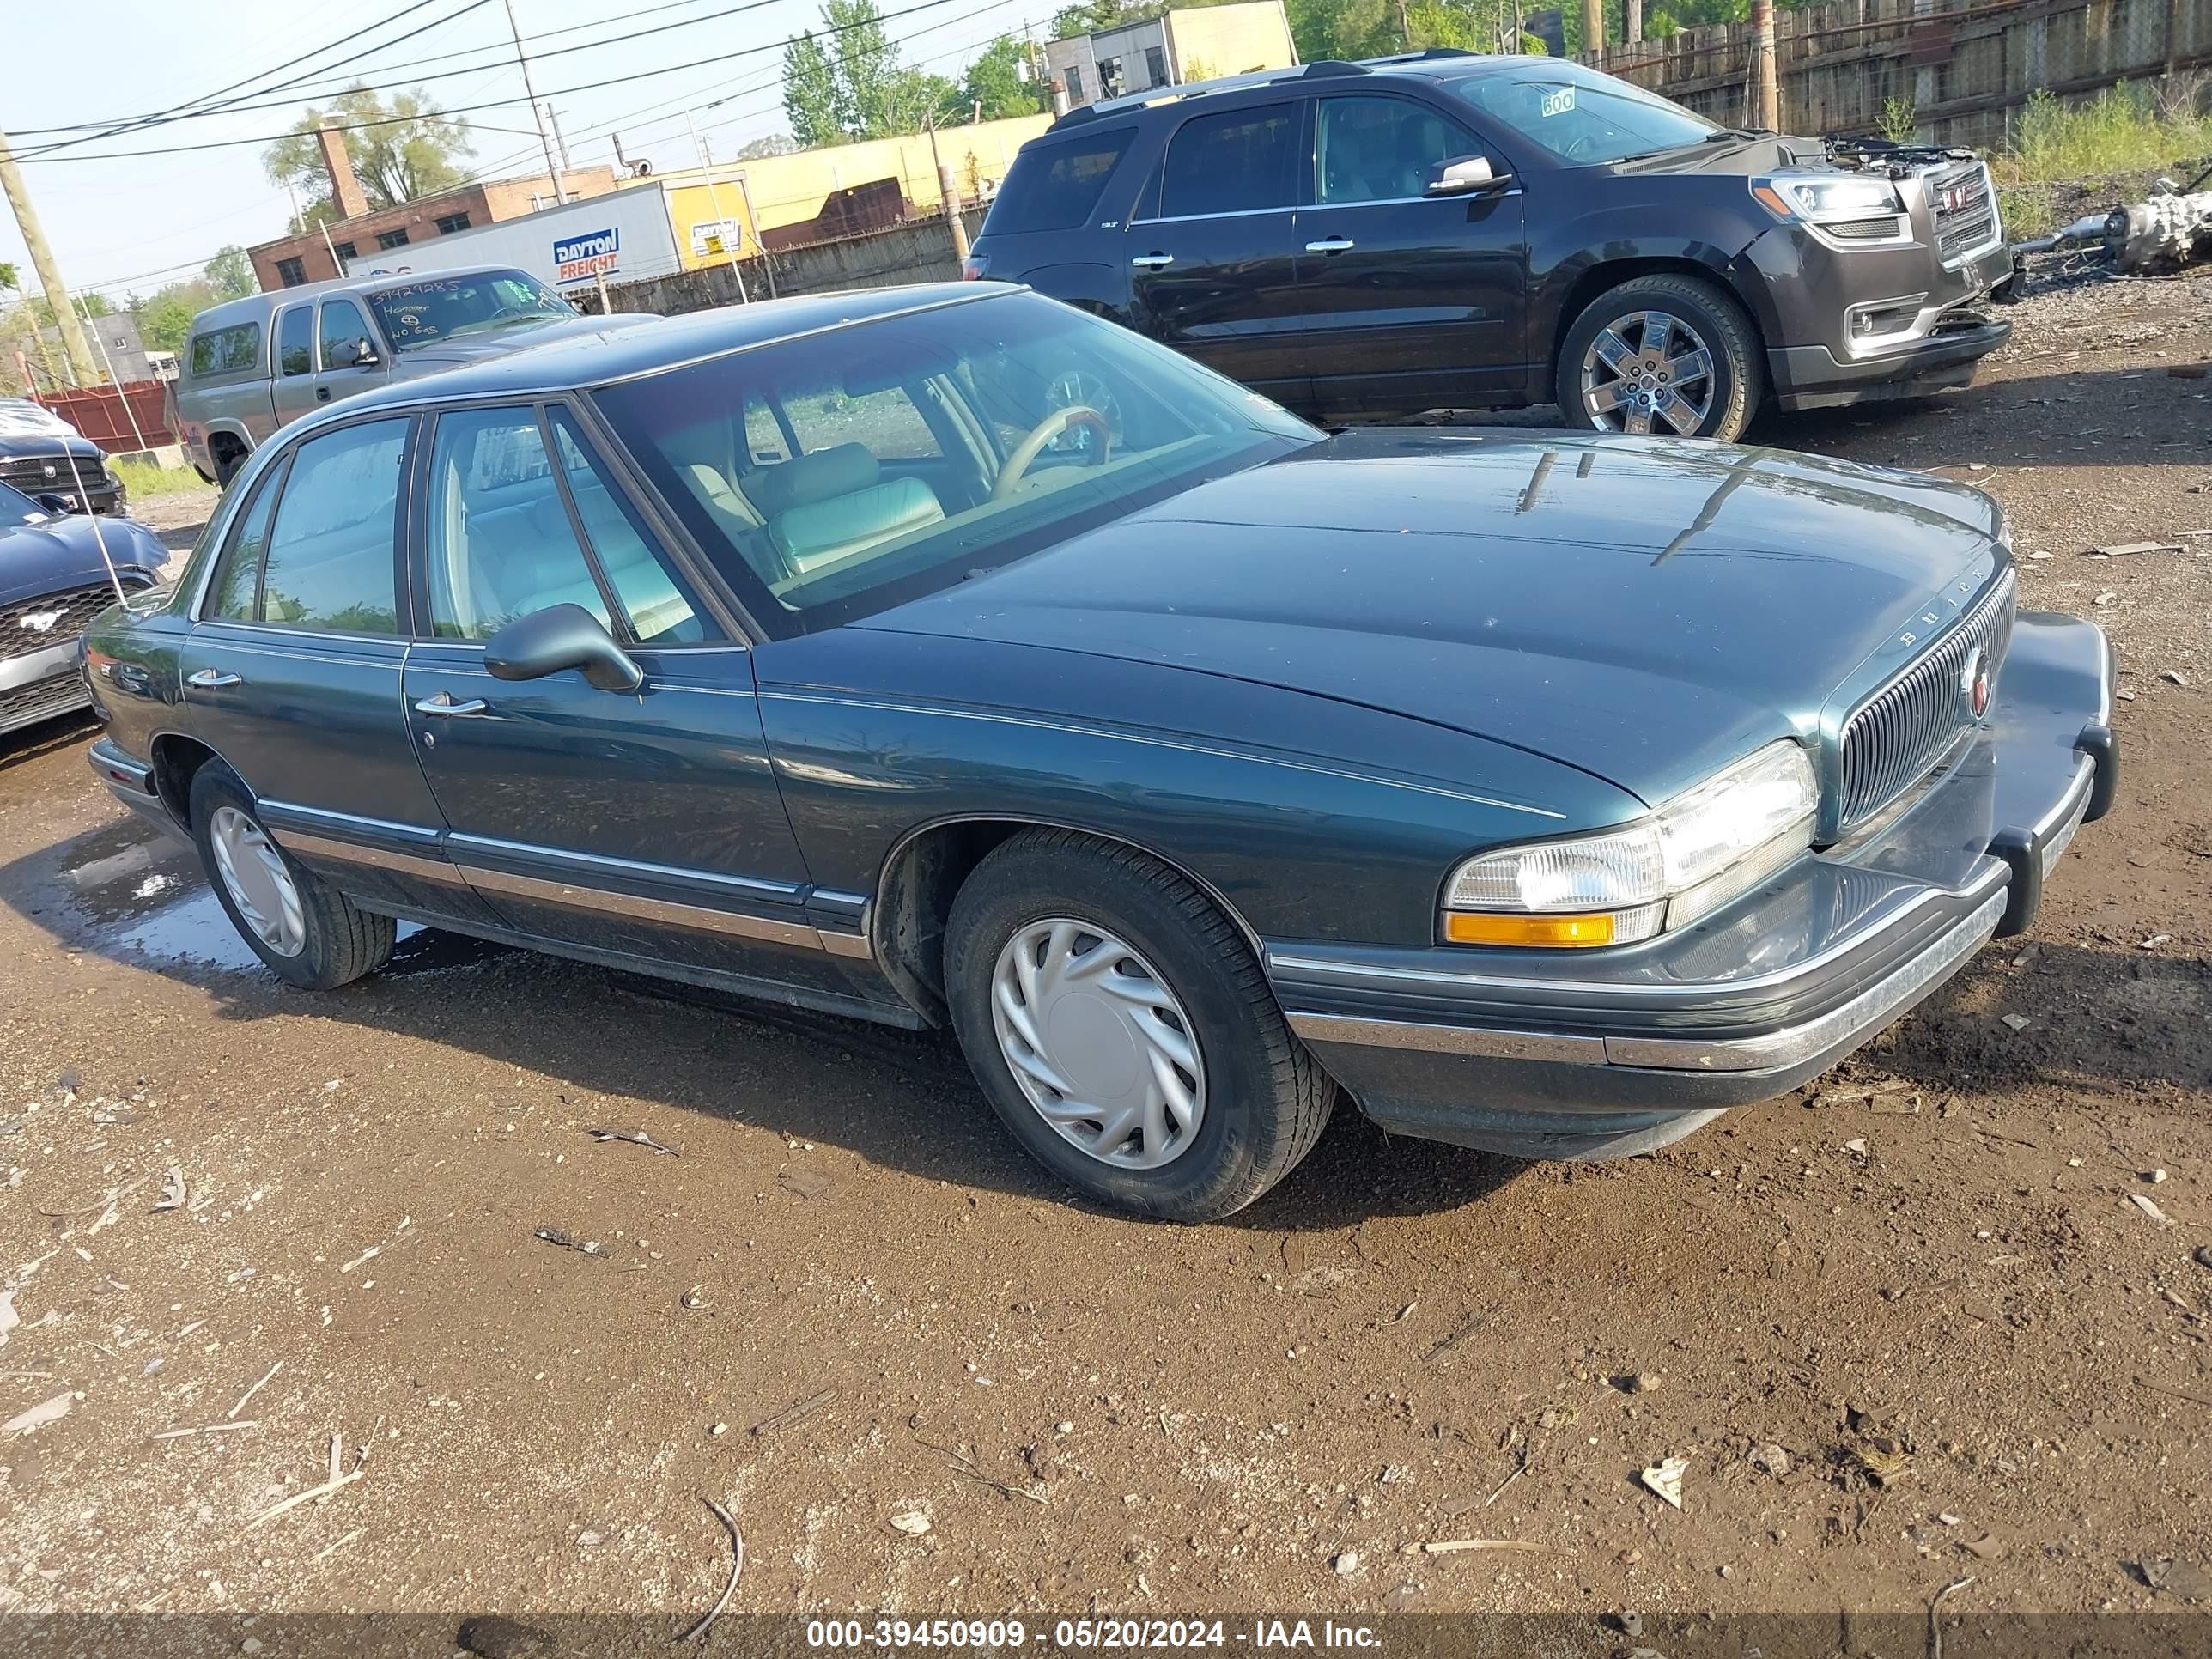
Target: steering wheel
[(1026, 452)]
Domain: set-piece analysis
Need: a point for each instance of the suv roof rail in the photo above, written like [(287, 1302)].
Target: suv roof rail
[(1334, 66), (1425, 54)]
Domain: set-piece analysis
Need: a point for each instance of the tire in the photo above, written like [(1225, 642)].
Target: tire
[(1731, 393), (1262, 1100), (227, 466), (338, 942)]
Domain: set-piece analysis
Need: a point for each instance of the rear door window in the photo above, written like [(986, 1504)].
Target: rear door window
[(235, 592), (330, 564), (226, 351), (295, 341), (1236, 161), (1055, 186)]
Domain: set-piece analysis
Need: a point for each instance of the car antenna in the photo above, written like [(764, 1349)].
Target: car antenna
[(84, 496)]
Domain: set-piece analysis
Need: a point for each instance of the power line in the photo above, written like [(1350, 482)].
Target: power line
[(202, 105), (47, 158)]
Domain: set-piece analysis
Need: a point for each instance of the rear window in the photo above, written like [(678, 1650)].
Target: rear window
[(233, 350), (1054, 186)]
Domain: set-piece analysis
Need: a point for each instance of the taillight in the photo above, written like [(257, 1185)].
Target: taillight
[(975, 268)]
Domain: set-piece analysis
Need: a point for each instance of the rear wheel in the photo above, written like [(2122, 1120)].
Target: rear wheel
[(1674, 355), (228, 455), (308, 932), (1122, 1030)]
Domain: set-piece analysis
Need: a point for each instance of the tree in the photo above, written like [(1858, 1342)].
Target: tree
[(995, 80), (850, 84), (773, 143), (230, 274), (413, 149)]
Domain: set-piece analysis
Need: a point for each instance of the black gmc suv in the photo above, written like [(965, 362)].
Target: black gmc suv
[(1446, 230)]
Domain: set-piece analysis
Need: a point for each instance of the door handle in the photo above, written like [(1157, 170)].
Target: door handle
[(443, 703), (322, 394), (1330, 245), (211, 679), (1152, 261)]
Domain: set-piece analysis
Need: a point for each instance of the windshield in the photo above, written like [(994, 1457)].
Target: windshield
[(437, 308), (17, 509), (833, 477), (1581, 116)]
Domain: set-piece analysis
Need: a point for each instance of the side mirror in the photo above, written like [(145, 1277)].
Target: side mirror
[(560, 637), (1470, 175), (364, 354), (58, 505)]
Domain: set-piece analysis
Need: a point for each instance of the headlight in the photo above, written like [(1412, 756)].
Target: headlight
[(1823, 201), (1697, 850)]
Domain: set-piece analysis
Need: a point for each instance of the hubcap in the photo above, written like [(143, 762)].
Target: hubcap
[(259, 885), (1099, 1043), (1666, 375)]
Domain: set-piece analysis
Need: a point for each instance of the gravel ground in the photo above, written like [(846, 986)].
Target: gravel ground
[(1935, 1318)]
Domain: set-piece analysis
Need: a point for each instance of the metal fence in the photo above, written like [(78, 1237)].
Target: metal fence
[(1953, 71)]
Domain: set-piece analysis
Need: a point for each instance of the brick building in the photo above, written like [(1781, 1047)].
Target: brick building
[(291, 260)]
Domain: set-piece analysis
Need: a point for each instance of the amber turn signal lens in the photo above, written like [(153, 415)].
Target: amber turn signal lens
[(1773, 202), (1486, 927)]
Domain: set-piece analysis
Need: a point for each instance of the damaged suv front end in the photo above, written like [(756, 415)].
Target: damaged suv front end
[(1878, 264)]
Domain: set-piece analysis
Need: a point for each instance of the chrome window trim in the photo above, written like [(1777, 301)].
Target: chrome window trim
[(1230, 213)]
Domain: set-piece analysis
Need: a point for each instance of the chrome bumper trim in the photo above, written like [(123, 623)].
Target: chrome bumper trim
[(1773, 1051), (667, 912)]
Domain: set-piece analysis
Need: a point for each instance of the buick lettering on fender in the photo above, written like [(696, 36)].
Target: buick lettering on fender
[(949, 655)]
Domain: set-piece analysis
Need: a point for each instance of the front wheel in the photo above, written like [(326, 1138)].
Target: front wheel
[(1121, 1028), (308, 932), (1669, 354)]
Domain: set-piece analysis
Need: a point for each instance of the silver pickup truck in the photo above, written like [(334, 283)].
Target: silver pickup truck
[(251, 365)]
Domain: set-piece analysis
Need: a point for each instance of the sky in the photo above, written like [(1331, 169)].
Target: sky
[(134, 223)]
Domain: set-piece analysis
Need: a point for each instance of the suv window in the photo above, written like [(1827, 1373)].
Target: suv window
[(1581, 116), (344, 332), (295, 341), (1233, 162), (329, 563), (1055, 187), (499, 544), (1382, 150), (233, 350)]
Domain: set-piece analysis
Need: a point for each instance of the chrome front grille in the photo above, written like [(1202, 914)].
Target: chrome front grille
[(28, 625), (1904, 728), (1964, 204)]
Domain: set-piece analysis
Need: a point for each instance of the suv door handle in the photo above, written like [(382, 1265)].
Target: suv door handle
[(210, 679), (443, 703), (1152, 261), (1330, 245)]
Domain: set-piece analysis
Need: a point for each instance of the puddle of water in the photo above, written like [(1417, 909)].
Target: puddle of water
[(130, 890)]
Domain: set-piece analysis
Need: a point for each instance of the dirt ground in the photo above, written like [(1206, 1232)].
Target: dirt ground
[(1921, 1322)]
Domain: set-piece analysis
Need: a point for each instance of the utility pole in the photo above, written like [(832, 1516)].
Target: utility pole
[(530, 89), (714, 200), (1766, 96), (560, 145), (948, 195), (82, 369), (1631, 23), (1592, 30)]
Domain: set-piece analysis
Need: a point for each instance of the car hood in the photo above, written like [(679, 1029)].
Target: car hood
[(1645, 610), (505, 342), (1747, 157), (36, 559)]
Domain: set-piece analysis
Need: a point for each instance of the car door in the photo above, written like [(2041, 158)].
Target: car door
[(1212, 251), (638, 825), (342, 334), (293, 672), (292, 363), (1408, 301)]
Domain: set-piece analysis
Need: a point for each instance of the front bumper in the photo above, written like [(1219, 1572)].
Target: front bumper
[(1812, 377), (1608, 1054)]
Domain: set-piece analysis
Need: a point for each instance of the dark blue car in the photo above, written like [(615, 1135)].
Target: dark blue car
[(946, 655), (53, 581)]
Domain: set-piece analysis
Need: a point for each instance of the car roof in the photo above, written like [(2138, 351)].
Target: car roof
[(1431, 63), (253, 306), (599, 357)]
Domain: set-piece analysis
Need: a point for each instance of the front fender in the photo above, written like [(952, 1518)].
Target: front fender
[(1312, 818)]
